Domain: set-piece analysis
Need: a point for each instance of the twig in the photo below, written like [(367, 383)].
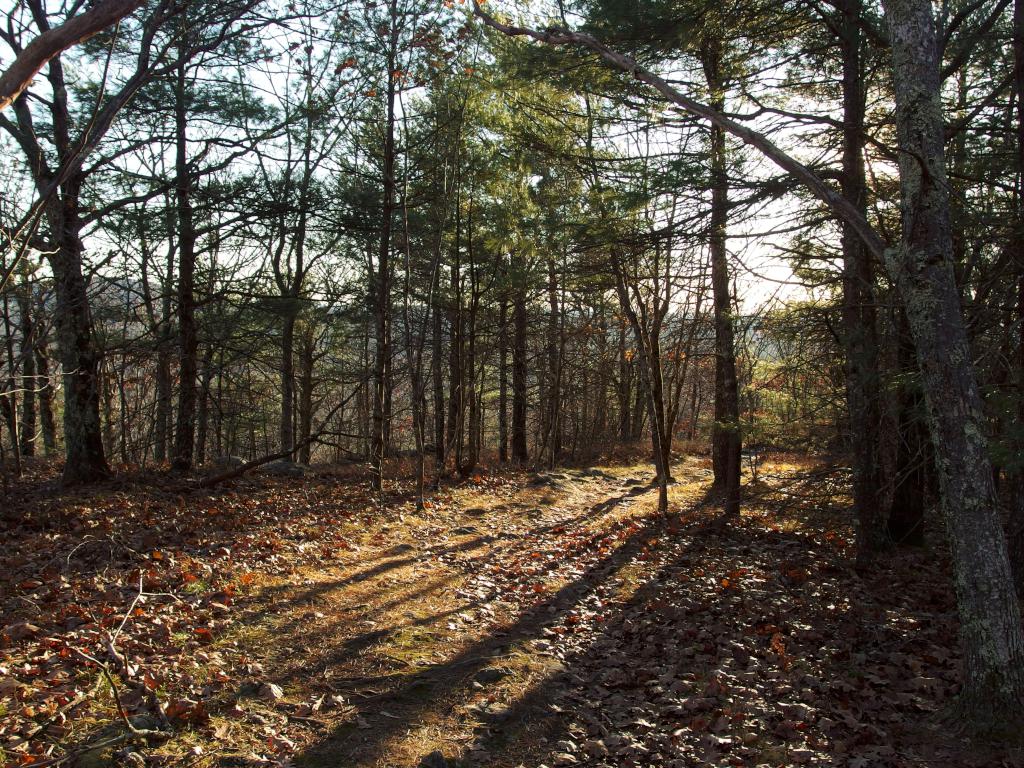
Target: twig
[(137, 734)]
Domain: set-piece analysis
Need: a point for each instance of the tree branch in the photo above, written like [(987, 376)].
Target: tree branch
[(839, 205), (52, 42)]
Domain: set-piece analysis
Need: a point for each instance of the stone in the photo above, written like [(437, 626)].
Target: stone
[(284, 468), (490, 675), (434, 760), (228, 462)]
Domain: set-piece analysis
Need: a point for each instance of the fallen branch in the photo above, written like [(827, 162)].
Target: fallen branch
[(114, 741), (209, 482), (212, 480)]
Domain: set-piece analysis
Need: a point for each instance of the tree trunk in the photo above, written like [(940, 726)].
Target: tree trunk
[(162, 427), (519, 348), (860, 335), (437, 384), (623, 390), (85, 460), (905, 523), (203, 414), (503, 381), (287, 425), (637, 420), (45, 394), (472, 456), (1015, 524), (648, 356), (553, 394), (29, 381), (382, 281), (992, 698), (307, 352), (10, 390), (188, 336), (726, 442), (164, 385)]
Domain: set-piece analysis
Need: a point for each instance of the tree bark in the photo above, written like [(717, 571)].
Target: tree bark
[(992, 698), (905, 522), (1015, 523), (437, 382), (30, 384), (552, 400), (503, 360), (456, 374), (625, 380), (188, 335), (85, 460), (165, 339), (203, 407), (9, 394), (860, 335), (726, 441), (519, 350), (382, 280), (307, 358), (51, 42), (45, 394), (287, 421)]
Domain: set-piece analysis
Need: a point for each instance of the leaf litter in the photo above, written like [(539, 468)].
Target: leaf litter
[(520, 619)]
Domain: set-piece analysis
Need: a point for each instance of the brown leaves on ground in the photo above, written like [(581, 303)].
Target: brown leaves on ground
[(547, 619)]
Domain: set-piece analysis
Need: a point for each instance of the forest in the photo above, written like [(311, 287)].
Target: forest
[(448, 383)]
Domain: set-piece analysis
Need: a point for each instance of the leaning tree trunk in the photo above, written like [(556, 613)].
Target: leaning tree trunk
[(992, 699)]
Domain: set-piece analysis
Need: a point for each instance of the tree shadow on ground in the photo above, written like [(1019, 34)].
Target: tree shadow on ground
[(689, 644), (447, 686)]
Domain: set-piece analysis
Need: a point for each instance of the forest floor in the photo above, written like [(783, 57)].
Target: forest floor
[(522, 619)]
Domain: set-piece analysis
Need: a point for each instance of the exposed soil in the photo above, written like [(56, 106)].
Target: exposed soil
[(522, 619)]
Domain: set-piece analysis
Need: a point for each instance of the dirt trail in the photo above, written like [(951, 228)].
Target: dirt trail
[(425, 630), (548, 619)]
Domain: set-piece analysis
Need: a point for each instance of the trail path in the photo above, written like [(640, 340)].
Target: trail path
[(549, 619)]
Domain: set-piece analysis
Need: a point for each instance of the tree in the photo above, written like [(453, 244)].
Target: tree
[(52, 41), (922, 269)]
